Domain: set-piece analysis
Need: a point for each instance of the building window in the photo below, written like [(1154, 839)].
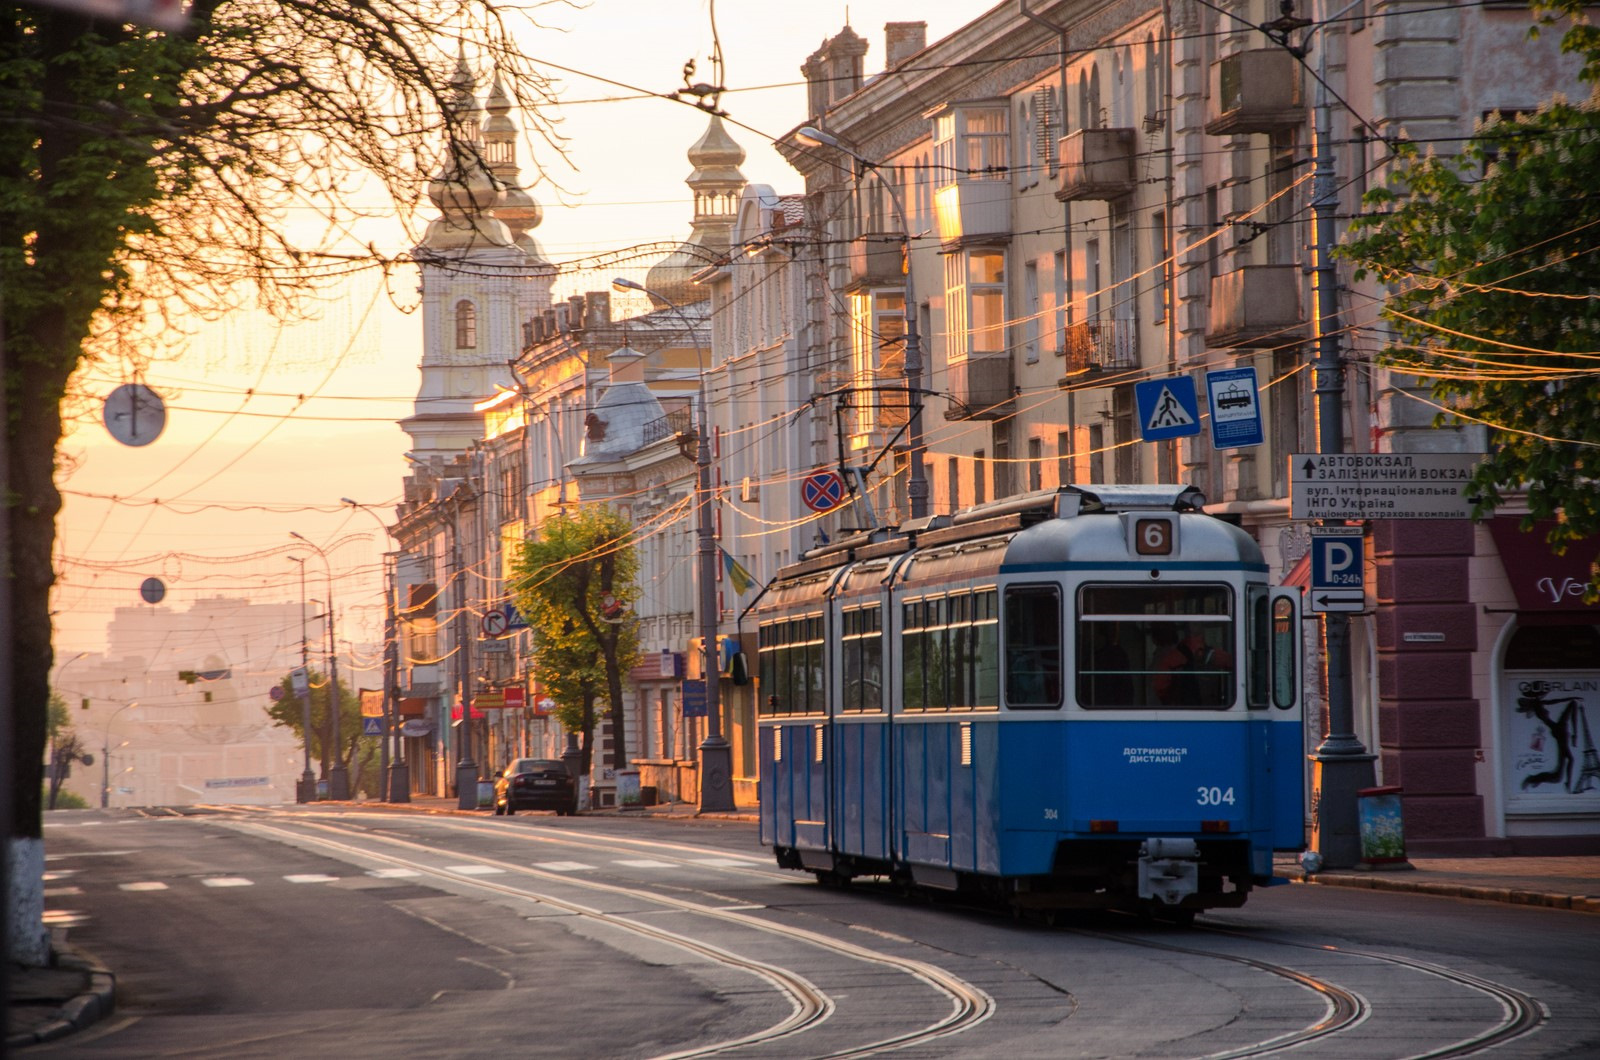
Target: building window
[(878, 357), (953, 483), (1000, 439), (980, 478), (972, 143), (1035, 463), (1063, 458), (1097, 453), (1030, 306), (466, 325), (1161, 250), (975, 304)]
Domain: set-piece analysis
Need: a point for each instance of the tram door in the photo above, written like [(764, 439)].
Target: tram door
[(1276, 693), (858, 767)]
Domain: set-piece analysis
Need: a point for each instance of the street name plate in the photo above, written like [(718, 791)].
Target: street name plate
[(1380, 485)]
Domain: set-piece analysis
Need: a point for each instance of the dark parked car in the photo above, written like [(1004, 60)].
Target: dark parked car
[(535, 784)]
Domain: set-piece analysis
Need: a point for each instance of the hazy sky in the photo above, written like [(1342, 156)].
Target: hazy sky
[(268, 426)]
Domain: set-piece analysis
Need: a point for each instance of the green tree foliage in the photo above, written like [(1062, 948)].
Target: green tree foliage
[(145, 175), (575, 584), (66, 750), (357, 753), (1495, 299)]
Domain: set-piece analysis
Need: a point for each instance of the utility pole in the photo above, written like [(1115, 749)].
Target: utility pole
[(466, 768), (1341, 763), (307, 791)]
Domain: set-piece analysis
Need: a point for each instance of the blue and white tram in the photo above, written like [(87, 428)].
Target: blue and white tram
[(1087, 697)]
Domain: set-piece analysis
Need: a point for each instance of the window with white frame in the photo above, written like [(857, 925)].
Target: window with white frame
[(972, 142), (466, 325), (878, 357), (975, 304)]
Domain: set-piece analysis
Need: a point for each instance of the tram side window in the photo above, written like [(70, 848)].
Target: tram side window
[(1155, 646), (1033, 647), (1258, 659), (863, 660), (950, 652), (791, 667)]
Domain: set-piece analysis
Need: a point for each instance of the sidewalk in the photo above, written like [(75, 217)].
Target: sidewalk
[(50, 1003)]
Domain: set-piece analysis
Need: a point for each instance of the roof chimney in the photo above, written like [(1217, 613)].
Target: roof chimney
[(902, 40)]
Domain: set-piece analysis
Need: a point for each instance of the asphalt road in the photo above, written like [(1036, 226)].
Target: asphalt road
[(312, 933)]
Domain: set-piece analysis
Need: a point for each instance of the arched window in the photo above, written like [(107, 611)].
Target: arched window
[(466, 325)]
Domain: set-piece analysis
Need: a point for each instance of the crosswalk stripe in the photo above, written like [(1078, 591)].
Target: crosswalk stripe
[(474, 870), (144, 885), (645, 863), (393, 874), (228, 881), (563, 866), (311, 877)]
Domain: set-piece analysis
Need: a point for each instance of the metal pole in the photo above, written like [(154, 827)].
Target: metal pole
[(466, 768), (307, 791), (105, 756), (916, 446), (394, 774), (1341, 763), (338, 776), (716, 755)]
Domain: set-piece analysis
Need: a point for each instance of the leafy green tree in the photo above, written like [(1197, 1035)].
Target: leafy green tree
[(146, 174), (1489, 258), (357, 753), (575, 584), (66, 750)]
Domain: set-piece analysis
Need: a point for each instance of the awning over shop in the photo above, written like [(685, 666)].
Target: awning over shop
[(1541, 580)]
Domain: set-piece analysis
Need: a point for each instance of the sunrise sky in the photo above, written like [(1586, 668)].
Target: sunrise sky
[(269, 426)]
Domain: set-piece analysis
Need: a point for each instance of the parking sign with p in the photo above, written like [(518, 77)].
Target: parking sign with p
[(1337, 582)]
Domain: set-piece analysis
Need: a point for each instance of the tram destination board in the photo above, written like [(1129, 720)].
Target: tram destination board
[(1381, 485)]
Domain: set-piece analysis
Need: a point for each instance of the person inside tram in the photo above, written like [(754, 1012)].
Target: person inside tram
[(1192, 673)]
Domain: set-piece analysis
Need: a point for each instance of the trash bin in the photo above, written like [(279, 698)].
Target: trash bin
[(628, 789), (485, 794), (1383, 833)]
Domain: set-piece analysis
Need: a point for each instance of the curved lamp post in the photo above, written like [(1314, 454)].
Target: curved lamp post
[(338, 777), (396, 774), (105, 755), (916, 482), (716, 756)]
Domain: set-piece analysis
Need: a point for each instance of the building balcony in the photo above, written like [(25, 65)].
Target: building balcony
[(1101, 345), (1254, 92), (973, 211), (1256, 306), (877, 259), (983, 388), (1096, 164)]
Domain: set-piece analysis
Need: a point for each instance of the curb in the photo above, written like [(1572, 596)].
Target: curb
[(1477, 892), (79, 1012)]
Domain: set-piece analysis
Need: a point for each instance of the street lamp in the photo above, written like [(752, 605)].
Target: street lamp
[(917, 482), (397, 776), (338, 778), (307, 789), (716, 757), (105, 754)]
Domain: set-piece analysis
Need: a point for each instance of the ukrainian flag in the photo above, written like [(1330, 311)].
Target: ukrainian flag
[(738, 577)]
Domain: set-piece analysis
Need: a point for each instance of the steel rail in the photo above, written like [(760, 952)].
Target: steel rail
[(969, 1005)]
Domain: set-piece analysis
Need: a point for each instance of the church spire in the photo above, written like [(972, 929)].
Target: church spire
[(716, 182)]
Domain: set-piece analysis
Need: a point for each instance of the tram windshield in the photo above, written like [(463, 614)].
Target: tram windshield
[(1169, 647)]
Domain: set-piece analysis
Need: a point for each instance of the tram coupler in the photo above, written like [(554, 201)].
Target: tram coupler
[(1169, 869)]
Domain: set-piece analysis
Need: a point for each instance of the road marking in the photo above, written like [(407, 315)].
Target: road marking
[(646, 863), (393, 874), (228, 881), (728, 863), (144, 885), (58, 874), (475, 870), (61, 892), (563, 866), (311, 877)]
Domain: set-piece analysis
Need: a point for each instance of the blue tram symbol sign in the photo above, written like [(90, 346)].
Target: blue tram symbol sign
[(1168, 408), (1235, 403), (822, 491)]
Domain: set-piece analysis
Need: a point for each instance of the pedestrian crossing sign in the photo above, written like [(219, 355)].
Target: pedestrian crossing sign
[(1169, 407)]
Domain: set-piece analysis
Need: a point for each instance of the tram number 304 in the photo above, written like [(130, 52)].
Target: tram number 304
[(1214, 796)]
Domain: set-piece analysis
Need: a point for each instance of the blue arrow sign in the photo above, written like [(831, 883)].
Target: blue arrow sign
[(1168, 408)]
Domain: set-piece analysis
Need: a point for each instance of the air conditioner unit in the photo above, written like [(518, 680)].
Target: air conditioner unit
[(749, 491)]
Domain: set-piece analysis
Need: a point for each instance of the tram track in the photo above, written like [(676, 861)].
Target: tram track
[(1345, 1009), (811, 1006)]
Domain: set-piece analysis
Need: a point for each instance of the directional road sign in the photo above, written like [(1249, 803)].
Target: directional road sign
[(1380, 485), (1336, 569), (1168, 408), (822, 491), (1235, 408)]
